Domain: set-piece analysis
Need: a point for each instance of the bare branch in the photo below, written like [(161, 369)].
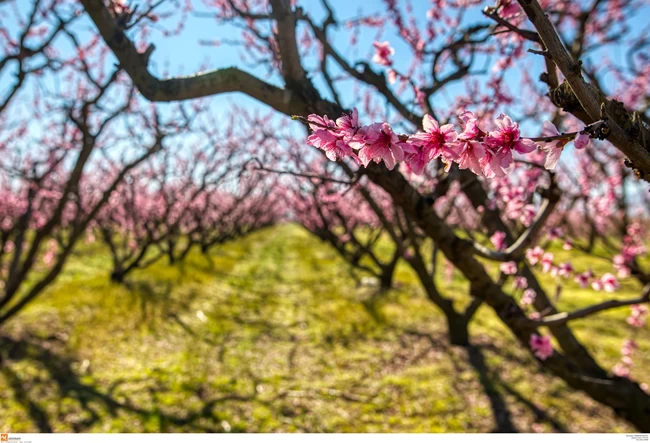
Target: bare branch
[(182, 88), (564, 317)]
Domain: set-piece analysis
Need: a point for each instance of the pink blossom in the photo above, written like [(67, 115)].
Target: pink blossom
[(552, 148), (420, 97), (508, 268), (470, 156), (348, 124), (565, 270), (470, 151), (583, 278), (383, 51), (484, 154), (528, 297), (554, 233), (416, 160), (622, 370), (317, 122), (509, 8), (520, 283), (436, 140), (628, 348), (581, 141), (322, 139), (541, 346), (547, 262), (527, 216), (597, 285), (381, 143), (470, 122), (620, 262), (498, 239), (118, 6), (495, 162), (334, 147), (534, 255), (609, 282), (506, 138), (637, 317), (639, 310)]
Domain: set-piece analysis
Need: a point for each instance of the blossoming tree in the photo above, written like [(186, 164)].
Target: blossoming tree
[(436, 96)]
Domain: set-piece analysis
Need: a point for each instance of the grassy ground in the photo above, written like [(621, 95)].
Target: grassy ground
[(272, 334)]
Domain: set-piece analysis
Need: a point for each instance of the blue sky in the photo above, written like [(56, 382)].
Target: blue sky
[(184, 54)]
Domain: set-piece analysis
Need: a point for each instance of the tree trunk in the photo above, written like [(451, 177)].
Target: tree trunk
[(624, 396), (457, 330), (386, 280), (117, 276)]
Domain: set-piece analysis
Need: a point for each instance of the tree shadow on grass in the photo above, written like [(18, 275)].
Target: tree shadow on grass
[(148, 297), (21, 396), (493, 384), (94, 407), (500, 411), (95, 403), (540, 414)]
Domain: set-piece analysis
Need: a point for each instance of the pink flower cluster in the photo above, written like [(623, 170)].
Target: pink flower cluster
[(607, 282), (623, 368), (498, 239), (508, 268), (638, 316), (517, 201), (489, 154), (632, 247), (520, 283), (528, 298), (541, 346)]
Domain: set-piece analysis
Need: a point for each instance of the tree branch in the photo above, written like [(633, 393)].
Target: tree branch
[(182, 88), (564, 317), (623, 134), (515, 251)]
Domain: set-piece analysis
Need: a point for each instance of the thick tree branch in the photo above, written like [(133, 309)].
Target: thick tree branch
[(182, 88), (623, 133)]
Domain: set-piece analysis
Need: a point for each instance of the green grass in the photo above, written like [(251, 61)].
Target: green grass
[(273, 334)]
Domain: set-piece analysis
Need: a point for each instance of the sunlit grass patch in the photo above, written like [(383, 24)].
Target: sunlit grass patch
[(271, 333)]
